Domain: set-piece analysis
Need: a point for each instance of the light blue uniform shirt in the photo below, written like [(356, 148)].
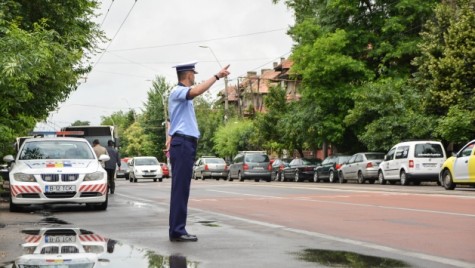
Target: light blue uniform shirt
[(182, 113)]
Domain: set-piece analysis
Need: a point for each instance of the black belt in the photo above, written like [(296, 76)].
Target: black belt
[(186, 137)]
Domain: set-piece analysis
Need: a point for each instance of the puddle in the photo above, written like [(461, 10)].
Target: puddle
[(335, 258), (209, 223), (71, 247)]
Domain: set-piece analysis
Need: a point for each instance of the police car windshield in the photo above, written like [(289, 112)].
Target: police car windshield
[(64, 149)]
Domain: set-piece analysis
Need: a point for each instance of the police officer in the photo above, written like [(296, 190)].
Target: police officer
[(184, 132)]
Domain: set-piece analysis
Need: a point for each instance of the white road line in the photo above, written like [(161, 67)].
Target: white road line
[(309, 199)]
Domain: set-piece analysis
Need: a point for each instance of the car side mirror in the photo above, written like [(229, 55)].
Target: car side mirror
[(104, 157), (386, 158), (8, 158)]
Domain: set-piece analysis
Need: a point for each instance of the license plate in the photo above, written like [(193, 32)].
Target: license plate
[(60, 239), (60, 188), (258, 168), (429, 165)]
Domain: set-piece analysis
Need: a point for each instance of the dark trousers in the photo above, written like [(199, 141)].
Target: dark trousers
[(182, 157), (110, 179)]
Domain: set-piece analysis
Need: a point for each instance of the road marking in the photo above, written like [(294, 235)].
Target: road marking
[(417, 255), (312, 199)]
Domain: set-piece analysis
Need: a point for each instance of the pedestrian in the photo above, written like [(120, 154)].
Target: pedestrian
[(111, 165), (184, 132), (98, 149)]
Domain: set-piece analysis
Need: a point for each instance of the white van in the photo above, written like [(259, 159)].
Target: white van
[(412, 161)]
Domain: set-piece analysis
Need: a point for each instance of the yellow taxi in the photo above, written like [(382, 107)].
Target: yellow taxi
[(460, 168)]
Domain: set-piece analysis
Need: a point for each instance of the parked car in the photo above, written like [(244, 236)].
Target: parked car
[(412, 161), (277, 166), (145, 167), (165, 170), (123, 171), (328, 170), (300, 169), (250, 165), (460, 168), (361, 167), (207, 167), (57, 170)]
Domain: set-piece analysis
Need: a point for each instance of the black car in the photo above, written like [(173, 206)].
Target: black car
[(328, 171), (277, 166), (300, 169)]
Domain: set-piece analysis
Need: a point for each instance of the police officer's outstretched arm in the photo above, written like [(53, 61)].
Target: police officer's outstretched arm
[(201, 88)]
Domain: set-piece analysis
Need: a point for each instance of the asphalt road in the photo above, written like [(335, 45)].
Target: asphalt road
[(276, 224)]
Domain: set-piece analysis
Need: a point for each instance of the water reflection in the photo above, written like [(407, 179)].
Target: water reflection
[(335, 258), (78, 248)]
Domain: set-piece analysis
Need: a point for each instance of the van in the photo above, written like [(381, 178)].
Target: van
[(250, 165), (412, 161)]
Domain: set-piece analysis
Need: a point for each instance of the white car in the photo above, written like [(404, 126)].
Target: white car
[(57, 170), (412, 161), (145, 167)]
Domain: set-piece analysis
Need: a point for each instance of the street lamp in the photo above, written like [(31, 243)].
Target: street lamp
[(225, 84)]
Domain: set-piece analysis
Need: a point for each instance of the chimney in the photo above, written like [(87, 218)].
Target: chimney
[(282, 60), (275, 64), (264, 70), (251, 74)]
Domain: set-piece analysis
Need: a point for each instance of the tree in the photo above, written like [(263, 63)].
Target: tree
[(43, 47), (446, 73), (235, 136), (80, 123)]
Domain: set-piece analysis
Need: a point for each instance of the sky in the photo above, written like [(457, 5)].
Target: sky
[(148, 37)]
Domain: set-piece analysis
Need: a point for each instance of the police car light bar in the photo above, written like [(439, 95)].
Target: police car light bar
[(69, 133)]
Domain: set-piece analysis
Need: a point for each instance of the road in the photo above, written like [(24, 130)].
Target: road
[(279, 224)]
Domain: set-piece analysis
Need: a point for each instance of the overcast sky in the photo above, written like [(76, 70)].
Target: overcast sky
[(155, 35)]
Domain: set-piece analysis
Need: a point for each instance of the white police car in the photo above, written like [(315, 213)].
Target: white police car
[(57, 170)]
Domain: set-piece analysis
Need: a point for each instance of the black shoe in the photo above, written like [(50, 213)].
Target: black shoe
[(184, 238)]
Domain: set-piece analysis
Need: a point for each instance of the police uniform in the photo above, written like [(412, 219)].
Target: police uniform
[(184, 132)]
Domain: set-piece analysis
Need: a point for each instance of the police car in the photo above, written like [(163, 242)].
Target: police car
[(57, 170), (460, 168), (63, 247)]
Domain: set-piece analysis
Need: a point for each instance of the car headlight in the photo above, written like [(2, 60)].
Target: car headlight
[(24, 177), (94, 176)]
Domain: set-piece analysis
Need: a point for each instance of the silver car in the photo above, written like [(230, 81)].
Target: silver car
[(361, 167), (210, 167)]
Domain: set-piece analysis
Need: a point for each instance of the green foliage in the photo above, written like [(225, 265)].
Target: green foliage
[(234, 136), (81, 123), (210, 116), (138, 143), (458, 125), (42, 48)]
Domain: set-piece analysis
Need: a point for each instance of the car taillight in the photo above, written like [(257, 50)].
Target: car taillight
[(369, 165), (269, 167), (206, 167), (245, 167), (338, 166), (411, 163)]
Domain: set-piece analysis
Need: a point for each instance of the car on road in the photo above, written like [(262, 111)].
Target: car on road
[(300, 169), (459, 169), (277, 166), (412, 161), (123, 171), (165, 170), (210, 167), (361, 167), (250, 165), (145, 168), (328, 170), (57, 170)]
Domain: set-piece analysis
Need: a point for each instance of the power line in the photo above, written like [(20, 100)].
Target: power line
[(107, 13)]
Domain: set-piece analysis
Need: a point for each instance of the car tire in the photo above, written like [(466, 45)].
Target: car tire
[(403, 178), (381, 179), (315, 177), (296, 178), (447, 180), (229, 176), (160, 180), (256, 180), (282, 175), (341, 179), (360, 177), (332, 176), (103, 206), (154, 180), (240, 176)]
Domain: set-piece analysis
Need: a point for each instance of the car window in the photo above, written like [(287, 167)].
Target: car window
[(146, 161), (60, 149), (296, 162), (214, 160), (390, 154), (467, 151), (343, 159), (352, 159), (375, 156), (433, 150), (256, 158), (402, 152), (359, 158)]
